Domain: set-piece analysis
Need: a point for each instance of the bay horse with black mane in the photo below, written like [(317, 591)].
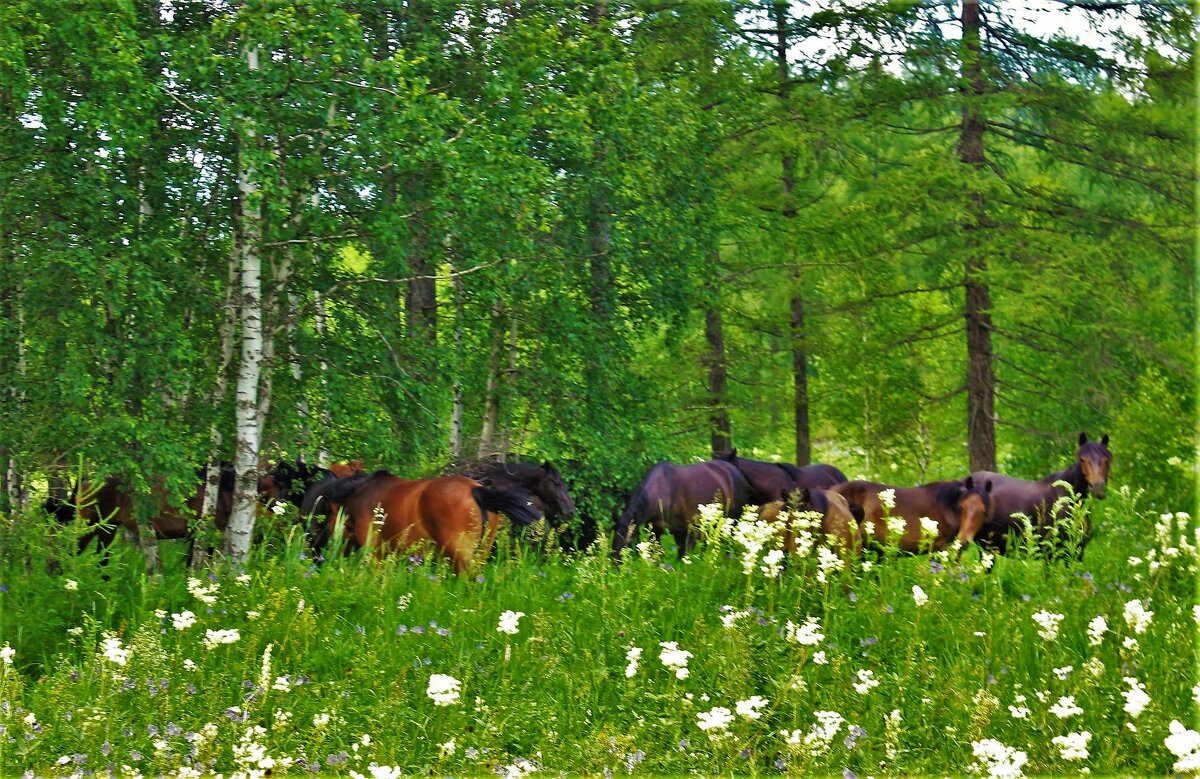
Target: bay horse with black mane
[(837, 528), (387, 513), (668, 497), (960, 509), (1088, 475), (109, 506), (770, 481)]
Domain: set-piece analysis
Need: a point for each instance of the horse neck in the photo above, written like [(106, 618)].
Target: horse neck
[(1073, 475)]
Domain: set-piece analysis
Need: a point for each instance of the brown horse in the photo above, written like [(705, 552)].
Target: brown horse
[(771, 481), (1036, 499), (291, 481), (668, 498), (109, 506), (455, 513), (960, 508), (838, 527)]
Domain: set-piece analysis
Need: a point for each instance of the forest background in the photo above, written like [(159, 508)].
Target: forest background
[(907, 239)]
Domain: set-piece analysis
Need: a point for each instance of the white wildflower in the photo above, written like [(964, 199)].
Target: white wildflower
[(1096, 630), (214, 638), (508, 622), (206, 594), (279, 508), (443, 690), (674, 658), (1064, 672), (1184, 743), (997, 760), (7, 653), (714, 721), (827, 562), (919, 596), (71, 584), (1065, 707), (1073, 746), (183, 620), (634, 653), (1137, 617), (1136, 698), (866, 681), (888, 499), (112, 651), (1047, 624), (750, 708), (1094, 666), (808, 634), (447, 748), (320, 720), (819, 658)]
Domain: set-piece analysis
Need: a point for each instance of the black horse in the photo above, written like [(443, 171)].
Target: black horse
[(669, 495), (544, 481), (776, 481)]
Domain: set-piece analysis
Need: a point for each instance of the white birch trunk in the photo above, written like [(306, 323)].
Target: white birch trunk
[(326, 413), (245, 497), (456, 412), (18, 492)]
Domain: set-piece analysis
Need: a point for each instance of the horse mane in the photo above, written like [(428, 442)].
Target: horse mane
[(340, 489), (948, 493)]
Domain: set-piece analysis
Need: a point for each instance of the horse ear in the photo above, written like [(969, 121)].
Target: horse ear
[(547, 467), (1082, 439), (969, 483), (1104, 439), (988, 487)]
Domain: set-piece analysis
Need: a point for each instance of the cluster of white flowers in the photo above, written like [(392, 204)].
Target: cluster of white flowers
[(1137, 617), (1073, 746), (715, 721), (443, 690), (772, 563), (252, 757), (71, 584), (996, 760), (827, 563), (650, 550), (753, 535), (214, 638), (1064, 672), (1017, 710), (1184, 743), (730, 618), (7, 653), (634, 653), (888, 499), (674, 658), (919, 596), (517, 769), (508, 622), (750, 708), (808, 634), (183, 620), (112, 651), (206, 594), (1047, 622), (866, 681), (1066, 707), (1094, 666), (1096, 630), (375, 771), (820, 735), (1136, 698)]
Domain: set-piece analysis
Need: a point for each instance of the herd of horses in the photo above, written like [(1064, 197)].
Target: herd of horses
[(460, 514)]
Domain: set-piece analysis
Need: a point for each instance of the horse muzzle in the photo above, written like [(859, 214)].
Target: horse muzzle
[(1099, 490)]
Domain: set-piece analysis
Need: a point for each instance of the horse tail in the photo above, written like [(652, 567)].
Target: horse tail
[(516, 504)]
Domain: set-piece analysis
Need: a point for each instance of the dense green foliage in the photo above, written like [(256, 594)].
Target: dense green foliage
[(497, 226), (332, 664)]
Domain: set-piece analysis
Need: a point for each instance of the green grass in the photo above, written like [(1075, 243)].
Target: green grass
[(556, 693)]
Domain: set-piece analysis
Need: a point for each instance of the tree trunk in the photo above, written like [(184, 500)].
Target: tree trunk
[(456, 409), (799, 340), (323, 367), (241, 522), (981, 379), (491, 409), (720, 430)]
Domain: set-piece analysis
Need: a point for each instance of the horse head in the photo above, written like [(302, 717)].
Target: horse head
[(971, 502), (554, 495), (1094, 458)]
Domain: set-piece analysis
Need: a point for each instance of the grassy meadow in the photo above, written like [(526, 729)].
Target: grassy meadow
[(722, 663)]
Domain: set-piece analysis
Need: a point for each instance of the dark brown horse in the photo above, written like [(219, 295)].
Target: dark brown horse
[(669, 495), (386, 513), (771, 481), (960, 509), (1088, 475), (291, 481), (543, 481), (107, 508)]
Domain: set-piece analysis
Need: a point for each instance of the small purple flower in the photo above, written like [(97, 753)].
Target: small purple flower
[(74, 676), (683, 744), (152, 730), (848, 774), (868, 641), (1026, 597), (191, 688), (249, 685), (852, 596), (780, 763), (443, 631), (212, 577), (79, 759), (359, 629), (418, 630), (889, 608), (402, 630), (1124, 587), (135, 756), (991, 679), (3, 588), (471, 753), (744, 754), (173, 729), (480, 579), (126, 732), (106, 749), (935, 566)]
